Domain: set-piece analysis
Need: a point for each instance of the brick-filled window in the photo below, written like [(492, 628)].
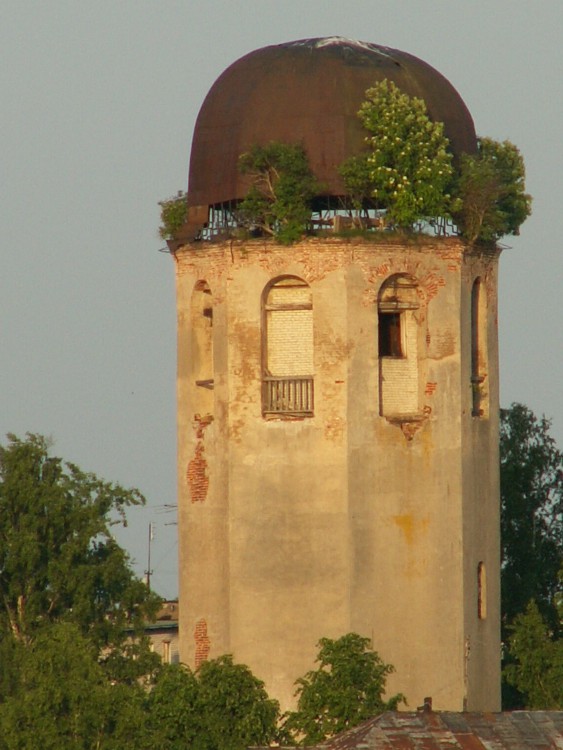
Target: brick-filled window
[(288, 348), (398, 334)]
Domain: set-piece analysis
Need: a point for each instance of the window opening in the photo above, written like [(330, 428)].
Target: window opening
[(398, 337), (288, 348), (390, 343)]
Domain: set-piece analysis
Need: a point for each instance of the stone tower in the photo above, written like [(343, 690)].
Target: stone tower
[(337, 403)]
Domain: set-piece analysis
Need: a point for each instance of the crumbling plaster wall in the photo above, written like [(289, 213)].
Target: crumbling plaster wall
[(347, 520)]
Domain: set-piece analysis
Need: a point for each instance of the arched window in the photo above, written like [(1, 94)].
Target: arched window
[(287, 357), (398, 336), (479, 406), (481, 591), (201, 346)]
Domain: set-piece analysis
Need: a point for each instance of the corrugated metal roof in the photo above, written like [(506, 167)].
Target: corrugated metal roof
[(428, 730)]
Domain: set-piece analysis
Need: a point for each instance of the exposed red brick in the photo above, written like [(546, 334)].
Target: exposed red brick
[(201, 424), (202, 643), (382, 270), (198, 481), (432, 282), (196, 475)]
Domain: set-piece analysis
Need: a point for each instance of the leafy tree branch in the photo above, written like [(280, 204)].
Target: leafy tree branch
[(346, 688), (58, 559), (407, 166), (492, 201), (531, 470), (173, 215), (278, 202)]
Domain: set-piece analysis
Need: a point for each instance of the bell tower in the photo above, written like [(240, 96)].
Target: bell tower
[(337, 403)]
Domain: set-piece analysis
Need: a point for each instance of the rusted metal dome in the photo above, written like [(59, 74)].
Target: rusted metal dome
[(309, 92)]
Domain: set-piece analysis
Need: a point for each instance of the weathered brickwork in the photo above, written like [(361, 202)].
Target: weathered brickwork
[(196, 475), (289, 295), (290, 342), (202, 643), (318, 257), (430, 388), (289, 331)]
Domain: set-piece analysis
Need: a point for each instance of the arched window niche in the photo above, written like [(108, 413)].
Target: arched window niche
[(479, 364), (201, 346), (398, 347), (287, 348)]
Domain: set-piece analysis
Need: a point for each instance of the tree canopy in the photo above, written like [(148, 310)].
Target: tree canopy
[(531, 513), (62, 698), (535, 668), (58, 559), (491, 198), (406, 172), (407, 168), (173, 215), (282, 188), (221, 706), (346, 689), (532, 560)]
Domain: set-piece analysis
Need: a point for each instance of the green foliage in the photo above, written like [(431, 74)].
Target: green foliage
[(220, 707), (408, 167), (346, 689), (531, 470), (173, 708), (536, 664), (491, 193), (357, 176), (531, 475), (234, 707), (282, 188), (173, 215), (58, 559), (63, 698)]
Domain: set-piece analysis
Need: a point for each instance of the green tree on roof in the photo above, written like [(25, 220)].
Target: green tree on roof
[(491, 192), (407, 167), (278, 202)]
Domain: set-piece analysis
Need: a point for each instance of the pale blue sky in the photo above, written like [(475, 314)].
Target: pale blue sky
[(99, 101)]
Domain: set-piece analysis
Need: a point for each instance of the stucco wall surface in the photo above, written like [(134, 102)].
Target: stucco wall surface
[(362, 516)]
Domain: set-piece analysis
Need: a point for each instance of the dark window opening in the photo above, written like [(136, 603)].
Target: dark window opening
[(390, 344)]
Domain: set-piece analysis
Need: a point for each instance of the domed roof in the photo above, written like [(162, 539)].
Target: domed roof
[(307, 92)]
